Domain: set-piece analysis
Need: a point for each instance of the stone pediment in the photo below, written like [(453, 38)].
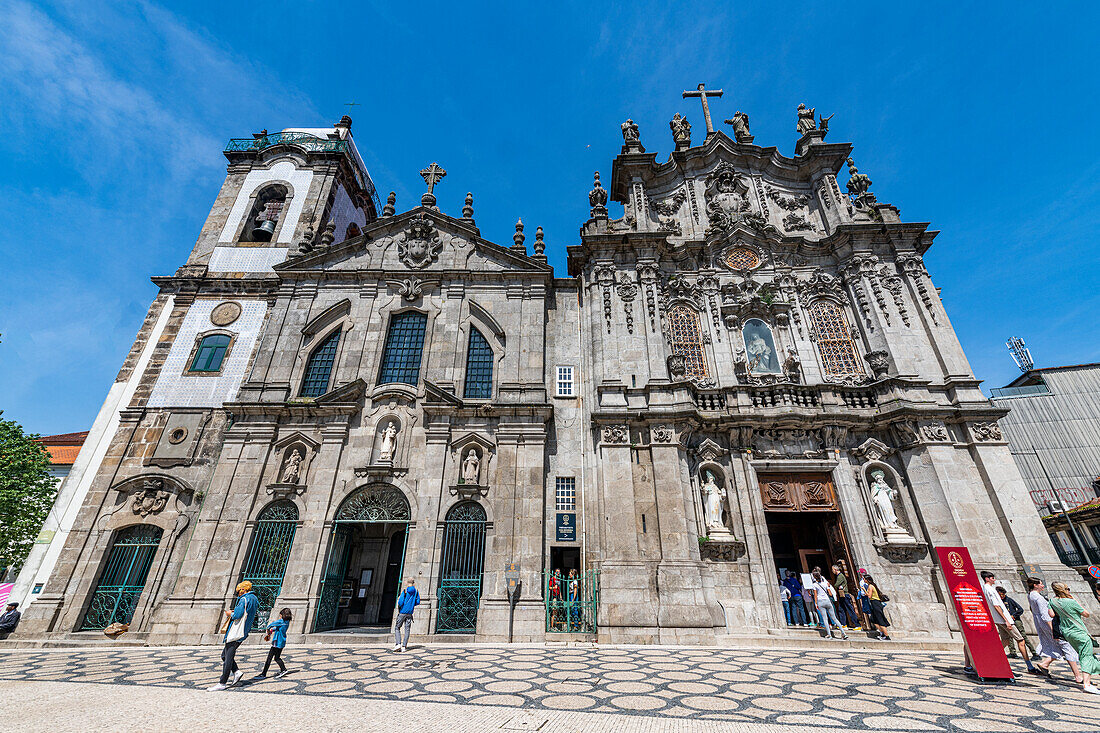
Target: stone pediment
[(420, 240)]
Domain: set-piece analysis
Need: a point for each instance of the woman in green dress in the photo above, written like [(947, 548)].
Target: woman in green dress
[(1073, 629)]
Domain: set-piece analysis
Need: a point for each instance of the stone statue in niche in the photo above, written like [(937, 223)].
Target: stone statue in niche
[(388, 447), (760, 347), (292, 470), (883, 494), (471, 468), (713, 494)]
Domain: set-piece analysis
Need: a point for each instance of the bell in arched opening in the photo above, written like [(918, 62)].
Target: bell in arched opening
[(266, 211)]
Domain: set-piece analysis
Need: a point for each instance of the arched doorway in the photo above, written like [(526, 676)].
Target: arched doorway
[(460, 568), (365, 559), (123, 578), (268, 554)]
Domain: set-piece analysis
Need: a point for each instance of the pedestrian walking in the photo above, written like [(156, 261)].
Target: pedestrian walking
[(276, 634), (824, 594), (785, 597), (9, 620), (239, 623), (1070, 614), (1002, 619), (876, 603), (845, 611), (572, 599), (794, 585), (1016, 611), (1051, 646), (406, 602)]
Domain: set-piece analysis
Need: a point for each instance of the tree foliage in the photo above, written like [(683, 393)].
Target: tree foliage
[(27, 492)]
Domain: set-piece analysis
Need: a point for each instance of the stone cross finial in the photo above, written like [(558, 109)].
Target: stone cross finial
[(518, 237), (432, 175), (468, 207), (702, 92), (389, 208), (597, 199), (540, 246)]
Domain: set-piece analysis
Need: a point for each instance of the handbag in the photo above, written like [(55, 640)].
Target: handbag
[(1056, 627)]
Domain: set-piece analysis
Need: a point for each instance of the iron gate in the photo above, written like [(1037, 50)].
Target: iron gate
[(571, 602), (120, 586), (268, 555), (460, 576), (333, 583)]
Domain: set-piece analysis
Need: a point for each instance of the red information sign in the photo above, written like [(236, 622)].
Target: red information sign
[(979, 633)]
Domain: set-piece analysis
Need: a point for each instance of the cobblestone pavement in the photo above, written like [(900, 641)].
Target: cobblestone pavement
[(807, 689)]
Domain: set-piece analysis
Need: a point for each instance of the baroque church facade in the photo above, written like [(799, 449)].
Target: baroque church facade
[(747, 372)]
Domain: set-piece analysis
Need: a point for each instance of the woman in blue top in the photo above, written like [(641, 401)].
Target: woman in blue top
[(276, 631), (237, 626)]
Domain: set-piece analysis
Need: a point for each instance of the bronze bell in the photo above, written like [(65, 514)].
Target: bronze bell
[(263, 230)]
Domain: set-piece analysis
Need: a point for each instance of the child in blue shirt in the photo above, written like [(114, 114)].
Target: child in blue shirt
[(276, 631)]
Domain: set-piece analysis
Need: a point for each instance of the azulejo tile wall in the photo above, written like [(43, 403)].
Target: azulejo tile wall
[(175, 389), (246, 259)]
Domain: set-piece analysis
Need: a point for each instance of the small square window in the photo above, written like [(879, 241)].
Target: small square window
[(565, 386), (565, 494)]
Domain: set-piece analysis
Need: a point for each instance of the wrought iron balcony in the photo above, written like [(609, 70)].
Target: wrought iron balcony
[(310, 143), (1071, 558)]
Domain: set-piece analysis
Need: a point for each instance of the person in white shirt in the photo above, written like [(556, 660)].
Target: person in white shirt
[(785, 596), (824, 594), (1049, 647), (1002, 619)]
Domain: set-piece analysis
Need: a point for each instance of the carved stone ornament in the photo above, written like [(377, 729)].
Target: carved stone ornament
[(871, 450), (419, 246), (935, 431), (616, 434), (676, 366), (728, 203), (986, 431), (662, 433), (822, 283), (879, 362), (225, 313), (597, 199), (907, 553), (151, 498), (411, 288), (727, 550), (788, 443)]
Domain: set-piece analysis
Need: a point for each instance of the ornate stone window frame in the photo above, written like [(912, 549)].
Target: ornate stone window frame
[(305, 353), (859, 374), (706, 358), (195, 351), (478, 317)]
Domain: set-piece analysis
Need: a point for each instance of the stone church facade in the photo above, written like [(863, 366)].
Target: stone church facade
[(749, 371)]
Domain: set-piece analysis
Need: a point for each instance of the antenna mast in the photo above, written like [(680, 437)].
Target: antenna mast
[(1020, 354)]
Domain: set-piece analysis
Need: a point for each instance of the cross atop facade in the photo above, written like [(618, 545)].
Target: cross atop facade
[(432, 175), (702, 92), (349, 105)]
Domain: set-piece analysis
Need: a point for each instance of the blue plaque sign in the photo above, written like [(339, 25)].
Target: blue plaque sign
[(567, 527)]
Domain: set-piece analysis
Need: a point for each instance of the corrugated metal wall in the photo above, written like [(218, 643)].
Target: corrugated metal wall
[(1059, 432)]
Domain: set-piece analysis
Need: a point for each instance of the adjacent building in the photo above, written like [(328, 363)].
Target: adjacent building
[(747, 371)]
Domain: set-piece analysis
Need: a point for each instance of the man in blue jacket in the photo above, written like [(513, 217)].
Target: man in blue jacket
[(236, 631), (406, 602)]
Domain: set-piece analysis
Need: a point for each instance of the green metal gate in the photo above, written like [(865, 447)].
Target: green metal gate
[(120, 586), (328, 605), (461, 567), (571, 602), (268, 555)]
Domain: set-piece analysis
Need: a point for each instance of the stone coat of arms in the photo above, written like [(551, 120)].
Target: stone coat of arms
[(419, 246)]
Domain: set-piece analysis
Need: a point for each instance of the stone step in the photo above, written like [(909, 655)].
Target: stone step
[(800, 638)]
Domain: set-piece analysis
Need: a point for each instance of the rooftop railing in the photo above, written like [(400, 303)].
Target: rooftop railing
[(310, 143)]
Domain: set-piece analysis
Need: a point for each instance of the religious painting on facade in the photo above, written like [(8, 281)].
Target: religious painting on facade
[(760, 347)]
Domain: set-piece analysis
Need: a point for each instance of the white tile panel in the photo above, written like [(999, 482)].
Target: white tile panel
[(284, 170), (246, 259), (175, 389)]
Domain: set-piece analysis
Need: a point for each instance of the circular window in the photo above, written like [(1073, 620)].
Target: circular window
[(177, 436), (225, 313), (742, 258)]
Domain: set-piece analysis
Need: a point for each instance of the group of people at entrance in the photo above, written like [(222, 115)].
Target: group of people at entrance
[(1058, 622), (827, 604), (566, 594)]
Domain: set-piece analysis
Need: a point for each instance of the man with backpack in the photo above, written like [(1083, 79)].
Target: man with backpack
[(406, 602)]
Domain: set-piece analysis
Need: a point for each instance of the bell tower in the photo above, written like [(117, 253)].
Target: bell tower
[(285, 192)]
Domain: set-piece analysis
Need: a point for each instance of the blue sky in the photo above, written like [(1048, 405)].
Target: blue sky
[(981, 122)]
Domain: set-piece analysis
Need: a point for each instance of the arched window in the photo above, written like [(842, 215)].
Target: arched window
[(268, 555), (760, 347), (404, 345), (687, 340), (479, 367), (210, 354), (264, 218), (319, 368), (116, 595), (461, 568), (839, 357)]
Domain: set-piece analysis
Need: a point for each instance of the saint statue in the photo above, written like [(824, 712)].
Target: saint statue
[(293, 468), (471, 468), (883, 495), (761, 354), (806, 119), (681, 130), (389, 442), (740, 123), (630, 131), (712, 502)]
